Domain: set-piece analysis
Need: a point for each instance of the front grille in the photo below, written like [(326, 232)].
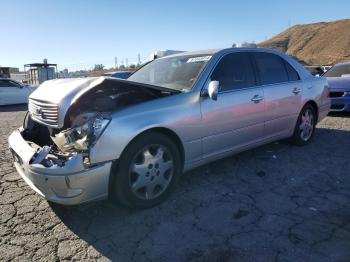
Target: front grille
[(44, 112), (336, 94), (337, 107)]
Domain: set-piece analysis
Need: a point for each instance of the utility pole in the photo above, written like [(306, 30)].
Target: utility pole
[(138, 59), (126, 62), (116, 62)]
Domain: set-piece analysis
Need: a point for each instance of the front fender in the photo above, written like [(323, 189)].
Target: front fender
[(180, 114), (112, 143)]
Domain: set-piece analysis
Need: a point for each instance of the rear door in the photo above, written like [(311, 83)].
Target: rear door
[(282, 90), (236, 119)]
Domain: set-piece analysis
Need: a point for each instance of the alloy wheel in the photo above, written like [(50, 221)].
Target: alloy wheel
[(151, 172), (306, 126)]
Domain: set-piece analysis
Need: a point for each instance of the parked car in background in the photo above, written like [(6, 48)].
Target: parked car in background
[(339, 87), (121, 74), (13, 92), (86, 139)]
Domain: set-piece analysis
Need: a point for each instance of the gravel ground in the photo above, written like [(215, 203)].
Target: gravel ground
[(275, 203)]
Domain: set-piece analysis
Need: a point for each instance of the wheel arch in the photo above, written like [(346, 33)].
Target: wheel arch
[(315, 107), (162, 130), (172, 135)]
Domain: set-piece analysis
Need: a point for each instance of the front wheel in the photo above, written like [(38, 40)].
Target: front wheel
[(305, 126), (148, 171)]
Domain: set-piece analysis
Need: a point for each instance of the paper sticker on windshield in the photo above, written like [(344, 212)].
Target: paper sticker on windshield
[(198, 59)]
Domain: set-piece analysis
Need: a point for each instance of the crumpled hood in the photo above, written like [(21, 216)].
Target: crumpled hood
[(58, 91), (339, 83), (65, 93), (55, 91)]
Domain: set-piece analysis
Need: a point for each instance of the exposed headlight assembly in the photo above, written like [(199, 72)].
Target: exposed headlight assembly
[(86, 130)]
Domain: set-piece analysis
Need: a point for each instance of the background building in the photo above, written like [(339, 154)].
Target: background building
[(6, 72), (36, 73)]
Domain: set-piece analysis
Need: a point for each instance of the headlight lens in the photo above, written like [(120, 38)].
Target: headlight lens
[(99, 125), (80, 138)]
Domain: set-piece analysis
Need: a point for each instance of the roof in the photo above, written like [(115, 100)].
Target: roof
[(40, 65), (130, 71), (343, 63), (199, 52), (9, 79), (214, 51)]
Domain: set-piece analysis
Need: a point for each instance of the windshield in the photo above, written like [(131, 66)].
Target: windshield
[(179, 73), (338, 71)]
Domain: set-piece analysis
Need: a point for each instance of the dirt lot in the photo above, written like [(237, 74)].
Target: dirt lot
[(274, 203)]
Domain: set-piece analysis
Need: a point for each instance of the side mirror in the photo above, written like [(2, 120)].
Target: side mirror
[(213, 90)]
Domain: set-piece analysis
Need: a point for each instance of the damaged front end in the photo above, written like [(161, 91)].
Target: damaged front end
[(60, 177), (52, 152), (78, 139), (84, 120), (56, 163), (85, 131)]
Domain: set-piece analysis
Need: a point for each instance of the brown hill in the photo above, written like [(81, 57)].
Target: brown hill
[(319, 43)]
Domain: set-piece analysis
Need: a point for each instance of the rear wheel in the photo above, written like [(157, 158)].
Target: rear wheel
[(305, 127), (148, 171)]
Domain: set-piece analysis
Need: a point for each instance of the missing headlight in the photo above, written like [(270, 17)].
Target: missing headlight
[(87, 128)]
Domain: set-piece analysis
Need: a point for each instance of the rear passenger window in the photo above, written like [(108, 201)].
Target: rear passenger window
[(271, 68), (234, 71), (292, 74)]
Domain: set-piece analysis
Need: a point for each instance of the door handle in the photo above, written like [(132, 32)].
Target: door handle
[(256, 99), (296, 90)]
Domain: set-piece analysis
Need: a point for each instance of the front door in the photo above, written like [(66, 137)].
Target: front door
[(236, 118)]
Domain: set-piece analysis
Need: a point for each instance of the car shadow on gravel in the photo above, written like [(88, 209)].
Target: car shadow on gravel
[(110, 227), (14, 108), (118, 233)]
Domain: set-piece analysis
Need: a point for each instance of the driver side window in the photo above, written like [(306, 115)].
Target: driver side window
[(234, 71)]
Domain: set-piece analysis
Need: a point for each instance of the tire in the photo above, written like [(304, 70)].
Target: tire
[(147, 172), (305, 127)]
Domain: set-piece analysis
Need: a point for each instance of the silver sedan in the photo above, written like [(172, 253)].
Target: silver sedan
[(87, 139)]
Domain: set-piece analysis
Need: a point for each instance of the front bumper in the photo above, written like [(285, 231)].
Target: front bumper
[(69, 185), (341, 103)]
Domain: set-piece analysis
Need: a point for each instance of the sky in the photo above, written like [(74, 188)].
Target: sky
[(77, 34)]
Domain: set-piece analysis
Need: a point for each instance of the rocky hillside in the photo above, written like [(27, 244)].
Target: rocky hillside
[(319, 43)]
